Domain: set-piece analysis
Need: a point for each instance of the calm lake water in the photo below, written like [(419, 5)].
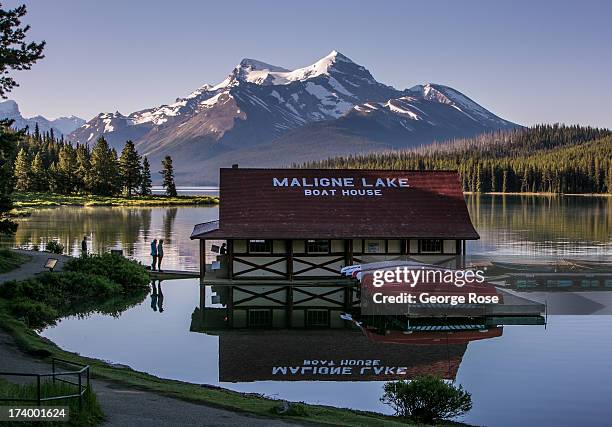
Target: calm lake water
[(553, 375)]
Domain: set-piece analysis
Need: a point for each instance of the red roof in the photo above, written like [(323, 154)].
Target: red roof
[(280, 204)]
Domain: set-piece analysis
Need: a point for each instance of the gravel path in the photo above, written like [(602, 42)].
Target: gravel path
[(128, 407), (35, 265)]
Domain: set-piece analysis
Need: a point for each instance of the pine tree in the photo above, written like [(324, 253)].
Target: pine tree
[(66, 170), (103, 169), (83, 159), (168, 176), (15, 54), (54, 179), (145, 182), (129, 169), (22, 171), (39, 178)]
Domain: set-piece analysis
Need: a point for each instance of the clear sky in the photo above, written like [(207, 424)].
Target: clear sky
[(527, 61)]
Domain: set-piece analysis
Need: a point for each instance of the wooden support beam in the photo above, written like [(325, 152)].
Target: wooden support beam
[(230, 259), (289, 305), (348, 252), (202, 259), (289, 251)]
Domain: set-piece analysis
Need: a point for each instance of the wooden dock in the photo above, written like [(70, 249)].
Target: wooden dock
[(173, 274)]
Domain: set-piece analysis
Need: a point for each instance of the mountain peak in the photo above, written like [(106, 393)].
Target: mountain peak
[(9, 106), (255, 64)]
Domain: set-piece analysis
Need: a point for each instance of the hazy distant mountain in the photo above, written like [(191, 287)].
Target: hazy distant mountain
[(62, 125), (265, 115)]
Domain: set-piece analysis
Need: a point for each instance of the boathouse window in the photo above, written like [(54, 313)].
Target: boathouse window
[(317, 318), (260, 318), (317, 246), (374, 246), (431, 246), (260, 246)]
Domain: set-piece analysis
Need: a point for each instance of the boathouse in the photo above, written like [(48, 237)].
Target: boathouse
[(291, 224)]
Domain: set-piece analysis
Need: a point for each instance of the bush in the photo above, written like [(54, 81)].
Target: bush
[(101, 283), (129, 274), (426, 399), (35, 314), (55, 247)]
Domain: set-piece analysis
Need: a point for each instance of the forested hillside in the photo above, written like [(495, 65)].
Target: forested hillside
[(544, 158)]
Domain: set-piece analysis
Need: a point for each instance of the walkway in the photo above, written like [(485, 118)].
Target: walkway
[(35, 265)]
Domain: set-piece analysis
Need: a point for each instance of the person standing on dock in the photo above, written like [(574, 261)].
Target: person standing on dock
[(160, 254), (154, 254)]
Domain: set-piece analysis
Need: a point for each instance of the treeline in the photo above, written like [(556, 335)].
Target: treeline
[(45, 163), (544, 158)]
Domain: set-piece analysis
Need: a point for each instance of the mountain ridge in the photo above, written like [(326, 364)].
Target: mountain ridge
[(263, 105), (9, 109)]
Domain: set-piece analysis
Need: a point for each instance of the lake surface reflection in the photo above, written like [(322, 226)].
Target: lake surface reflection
[(531, 226), (518, 374)]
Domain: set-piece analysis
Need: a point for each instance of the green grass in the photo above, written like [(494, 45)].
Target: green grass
[(23, 201), (90, 413), (10, 260), (30, 342)]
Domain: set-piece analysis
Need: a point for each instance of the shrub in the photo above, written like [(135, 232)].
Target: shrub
[(35, 314), (426, 399), (55, 247), (129, 274)]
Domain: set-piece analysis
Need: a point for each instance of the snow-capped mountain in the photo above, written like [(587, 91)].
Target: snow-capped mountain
[(62, 125), (259, 104)]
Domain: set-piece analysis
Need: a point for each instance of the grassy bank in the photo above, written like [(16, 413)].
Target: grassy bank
[(39, 200), (10, 260), (89, 414)]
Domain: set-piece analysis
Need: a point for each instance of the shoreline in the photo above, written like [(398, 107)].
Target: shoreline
[(24, 201), (499, 193)]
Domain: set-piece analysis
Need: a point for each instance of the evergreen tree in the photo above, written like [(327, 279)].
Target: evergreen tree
[(37, 132), (129, 169), (145, 182), (22, 171), (66, 170), (103, 169), (167, 173), (54, 179), (83, 160), (15, 54), (39, 178)]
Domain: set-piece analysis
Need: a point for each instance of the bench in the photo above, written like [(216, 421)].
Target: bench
[(51, 263)]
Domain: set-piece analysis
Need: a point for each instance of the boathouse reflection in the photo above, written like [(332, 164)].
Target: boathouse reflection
[(307, 332)]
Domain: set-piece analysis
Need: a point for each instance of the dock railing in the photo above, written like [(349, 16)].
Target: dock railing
[(82, 382)]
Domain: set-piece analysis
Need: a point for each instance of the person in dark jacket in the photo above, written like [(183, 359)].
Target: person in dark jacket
[(160, 253), (154, 254)]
